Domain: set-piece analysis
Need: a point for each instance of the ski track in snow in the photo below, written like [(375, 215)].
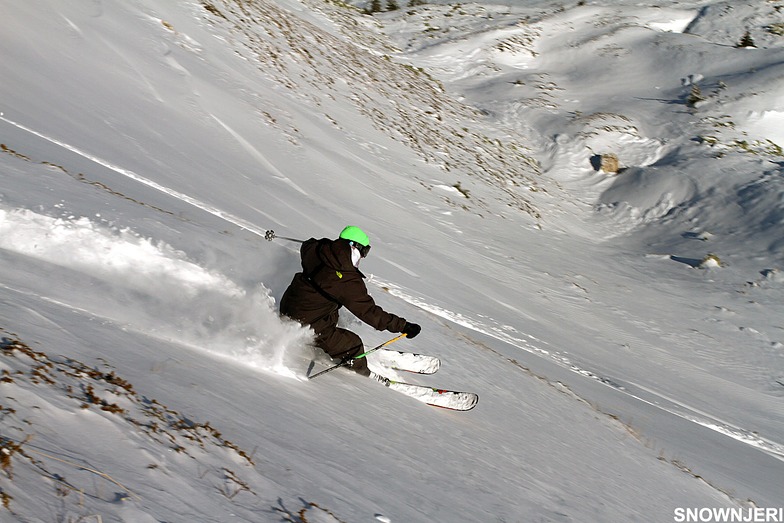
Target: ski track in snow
[(259, 156), (506, 334), (659, 400), (239, 222)]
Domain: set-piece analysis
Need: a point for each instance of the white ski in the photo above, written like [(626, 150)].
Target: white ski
[(407, 361), (447, 399)]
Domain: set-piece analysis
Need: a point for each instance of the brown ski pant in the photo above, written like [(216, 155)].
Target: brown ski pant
[(340, 343)]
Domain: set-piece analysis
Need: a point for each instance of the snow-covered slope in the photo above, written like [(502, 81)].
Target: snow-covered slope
[(147, 146)]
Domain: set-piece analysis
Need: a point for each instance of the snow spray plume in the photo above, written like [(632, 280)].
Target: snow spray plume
[(155, 288)]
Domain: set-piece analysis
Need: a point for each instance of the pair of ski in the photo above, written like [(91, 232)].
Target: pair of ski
[(417, 364)]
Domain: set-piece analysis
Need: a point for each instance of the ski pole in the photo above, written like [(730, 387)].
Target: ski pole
[(270, 235), (345, 361)]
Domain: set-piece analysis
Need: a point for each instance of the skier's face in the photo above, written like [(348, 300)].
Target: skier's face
[(356, 256)]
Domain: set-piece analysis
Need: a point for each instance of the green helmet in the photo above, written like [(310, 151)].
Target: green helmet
[(358, 236), (355, 234)]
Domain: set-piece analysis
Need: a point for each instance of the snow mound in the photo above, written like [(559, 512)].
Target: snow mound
[(643, 195), (725, 23)]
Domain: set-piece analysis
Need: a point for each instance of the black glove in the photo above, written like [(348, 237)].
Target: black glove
[(411, 330)]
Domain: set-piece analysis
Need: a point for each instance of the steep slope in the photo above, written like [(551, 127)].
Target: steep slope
[(147, 146)]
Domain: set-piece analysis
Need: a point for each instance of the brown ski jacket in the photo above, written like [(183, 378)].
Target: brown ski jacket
[(329, 281)]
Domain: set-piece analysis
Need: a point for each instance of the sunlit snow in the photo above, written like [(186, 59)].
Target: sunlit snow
[(622, 327)]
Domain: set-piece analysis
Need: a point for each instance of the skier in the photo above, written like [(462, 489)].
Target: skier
[(331, 279)]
